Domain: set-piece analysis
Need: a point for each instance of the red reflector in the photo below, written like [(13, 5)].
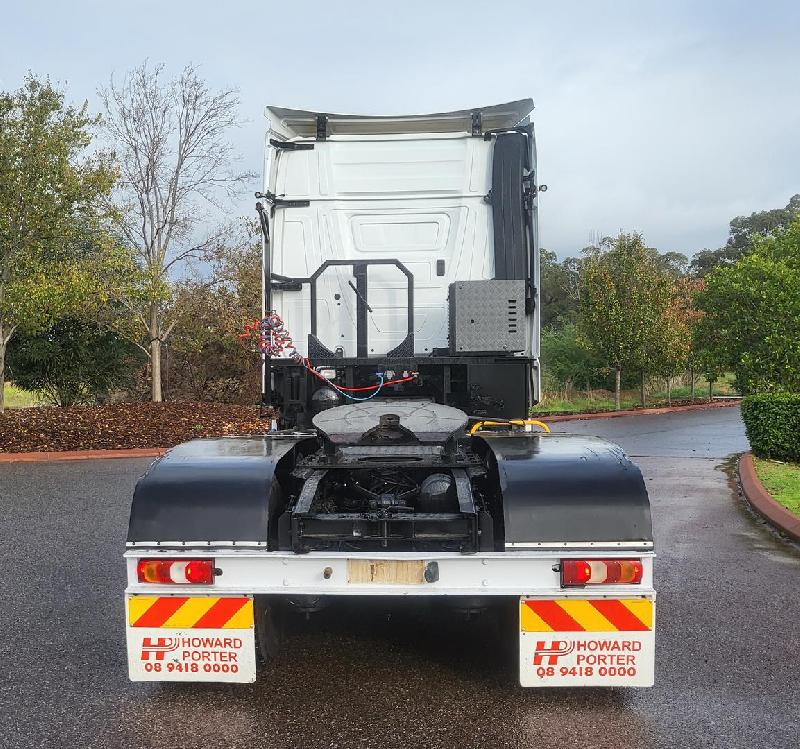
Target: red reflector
[(601, 572), (575, 572), (176, 571), (200, 571)]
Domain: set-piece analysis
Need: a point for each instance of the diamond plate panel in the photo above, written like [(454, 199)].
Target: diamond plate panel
[(487, 316)]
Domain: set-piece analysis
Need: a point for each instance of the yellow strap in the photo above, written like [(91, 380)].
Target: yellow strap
[(537, 423), (517, 422)]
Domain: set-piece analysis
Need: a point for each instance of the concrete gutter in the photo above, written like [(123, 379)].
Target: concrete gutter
[(638, 411), (762, 502), (40, 457)]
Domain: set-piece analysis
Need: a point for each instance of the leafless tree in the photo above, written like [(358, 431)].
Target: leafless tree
[(175, 161)]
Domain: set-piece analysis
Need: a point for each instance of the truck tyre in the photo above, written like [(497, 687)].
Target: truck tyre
[(269, 619)]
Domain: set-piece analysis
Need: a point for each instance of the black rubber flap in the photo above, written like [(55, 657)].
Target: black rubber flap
[(510, 254), (208, 490), (569, 488)]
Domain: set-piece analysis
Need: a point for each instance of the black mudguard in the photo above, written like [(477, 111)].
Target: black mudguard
[(209, 490), (569, 489)]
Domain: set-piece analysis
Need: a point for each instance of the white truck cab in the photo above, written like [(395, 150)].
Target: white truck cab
[(400, 343)]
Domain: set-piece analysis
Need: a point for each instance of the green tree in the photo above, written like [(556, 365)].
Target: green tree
[(559, 289), (624, 293), (669, 342), (206, 359), (566, 361), (744, 230), (73, 362), (55, 257), (752, 315), (175, 159), (675, 264)]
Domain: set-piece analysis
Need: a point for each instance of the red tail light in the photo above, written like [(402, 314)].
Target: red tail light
[(176, 571), (579, 572)]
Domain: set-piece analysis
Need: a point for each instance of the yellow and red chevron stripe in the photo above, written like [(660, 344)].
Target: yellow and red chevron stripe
[(591, 615), (183, 612)]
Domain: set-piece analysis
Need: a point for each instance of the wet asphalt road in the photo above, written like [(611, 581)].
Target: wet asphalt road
[(728, 633)]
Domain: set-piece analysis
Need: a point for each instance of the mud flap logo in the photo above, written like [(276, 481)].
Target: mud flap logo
[(158, 647), (551, 653)]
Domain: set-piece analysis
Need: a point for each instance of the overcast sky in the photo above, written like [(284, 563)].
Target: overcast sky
[(668, 118)]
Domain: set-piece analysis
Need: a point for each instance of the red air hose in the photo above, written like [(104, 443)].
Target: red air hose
[(272, 339), (316, 374)]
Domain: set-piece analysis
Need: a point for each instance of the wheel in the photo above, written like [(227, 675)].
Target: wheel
[(269, 620)]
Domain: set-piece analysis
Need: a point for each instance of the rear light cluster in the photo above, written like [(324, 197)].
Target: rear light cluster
[(579, 572), (176, 571)]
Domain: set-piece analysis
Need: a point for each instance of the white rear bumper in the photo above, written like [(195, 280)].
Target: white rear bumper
[(568, 636), (509, 573)]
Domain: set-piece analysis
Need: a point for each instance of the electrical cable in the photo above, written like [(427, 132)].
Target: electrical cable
[(273, 339), (354, 397), (307, 364)]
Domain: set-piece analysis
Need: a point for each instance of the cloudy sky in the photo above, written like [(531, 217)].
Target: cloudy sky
[(668, 118)]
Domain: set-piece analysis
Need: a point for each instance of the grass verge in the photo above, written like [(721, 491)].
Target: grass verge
[(579, 405), (782, 481), (18, 398), (578, 401)]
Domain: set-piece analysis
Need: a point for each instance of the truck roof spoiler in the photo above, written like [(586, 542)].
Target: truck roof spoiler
[(304, 123)]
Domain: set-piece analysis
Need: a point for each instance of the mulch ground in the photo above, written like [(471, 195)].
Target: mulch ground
[(124, 425)]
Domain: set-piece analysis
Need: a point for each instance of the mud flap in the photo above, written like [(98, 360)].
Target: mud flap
[(592, 642), (177, 638)]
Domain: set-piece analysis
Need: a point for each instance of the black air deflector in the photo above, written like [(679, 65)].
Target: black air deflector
[(510, 246)]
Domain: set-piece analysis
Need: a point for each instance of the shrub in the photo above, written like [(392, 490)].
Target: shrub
[(772, 421), (566, 363), (752, 315), (72, 362)]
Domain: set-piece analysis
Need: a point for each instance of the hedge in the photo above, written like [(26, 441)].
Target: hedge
[(772, 421)]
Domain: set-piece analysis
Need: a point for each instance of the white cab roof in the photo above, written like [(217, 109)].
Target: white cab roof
[(302, 123)]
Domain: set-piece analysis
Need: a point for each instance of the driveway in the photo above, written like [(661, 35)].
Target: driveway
[(728, 633)]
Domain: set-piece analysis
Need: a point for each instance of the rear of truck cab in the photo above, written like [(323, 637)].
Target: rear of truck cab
[(400, 260)]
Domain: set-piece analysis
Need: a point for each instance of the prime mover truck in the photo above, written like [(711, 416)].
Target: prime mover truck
[(400, 357)]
